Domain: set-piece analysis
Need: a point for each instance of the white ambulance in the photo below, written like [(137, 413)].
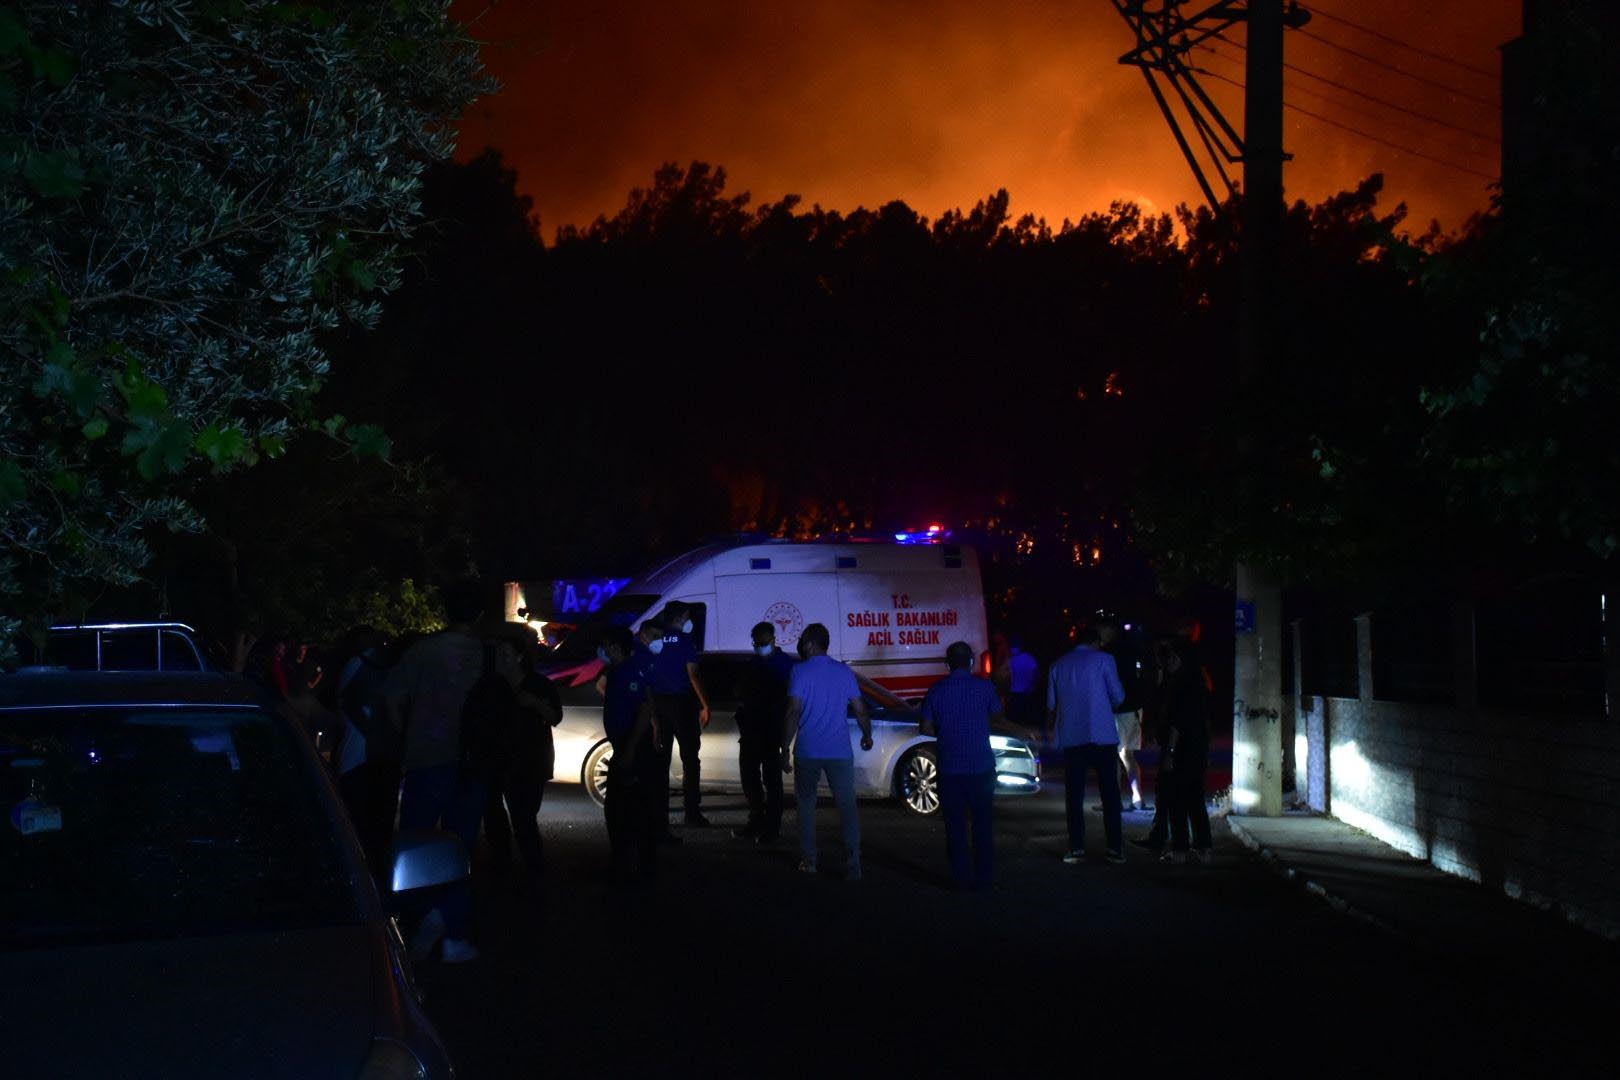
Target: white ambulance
[(891, 608)]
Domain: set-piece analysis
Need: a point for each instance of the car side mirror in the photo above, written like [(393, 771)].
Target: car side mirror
[(424, 858)]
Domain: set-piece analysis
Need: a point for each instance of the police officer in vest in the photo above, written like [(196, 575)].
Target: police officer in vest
[(680, 703)]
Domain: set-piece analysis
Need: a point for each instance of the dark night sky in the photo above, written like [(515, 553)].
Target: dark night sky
[(939, 102)]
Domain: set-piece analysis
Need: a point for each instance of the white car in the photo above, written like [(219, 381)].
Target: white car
[(902, 763)]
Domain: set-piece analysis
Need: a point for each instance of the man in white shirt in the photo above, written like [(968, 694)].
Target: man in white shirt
[(1082, 692)]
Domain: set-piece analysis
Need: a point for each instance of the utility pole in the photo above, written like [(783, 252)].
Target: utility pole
[(1164, 37), (1257, 750)]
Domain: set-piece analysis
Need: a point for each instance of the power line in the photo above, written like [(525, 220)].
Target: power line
[(1391, 39), (1365, 134), (1387, 66), (1375, 99), (1337, 103)]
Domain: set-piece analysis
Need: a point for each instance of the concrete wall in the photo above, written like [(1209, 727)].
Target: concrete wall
[(1523, 803)]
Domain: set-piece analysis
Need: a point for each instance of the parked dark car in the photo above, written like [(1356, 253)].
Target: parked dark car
[(181, 893)]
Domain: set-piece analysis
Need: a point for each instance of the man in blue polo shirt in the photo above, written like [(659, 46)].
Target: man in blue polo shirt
[(815, 738), (1082, 692), (681, 703), (958, 711)]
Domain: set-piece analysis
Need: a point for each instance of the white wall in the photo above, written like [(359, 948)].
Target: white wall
[(1523, 803)]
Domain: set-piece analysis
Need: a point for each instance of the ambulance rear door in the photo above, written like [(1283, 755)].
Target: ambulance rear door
[(902, 607), (788, 586)]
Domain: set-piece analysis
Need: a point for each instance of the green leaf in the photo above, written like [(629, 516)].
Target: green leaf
[(368, 440), (12, 486), (159, 445), (13, 34), (65, 482), (222, 446), (333, 424), (146, 399), (64, 375), (167, 453), (53, 65), (401, 50), (61, 306), (54, 175), (95, 428), (362, 276), (272, 446)]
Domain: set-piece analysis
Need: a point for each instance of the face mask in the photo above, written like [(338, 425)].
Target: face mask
[(655, 646), (602, 655), (686, 627), (764, 650)]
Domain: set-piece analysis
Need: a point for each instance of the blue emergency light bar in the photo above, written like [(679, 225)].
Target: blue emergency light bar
[(934, 534)]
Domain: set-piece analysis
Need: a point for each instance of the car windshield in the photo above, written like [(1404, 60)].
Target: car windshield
[(623, 610), (134, 823)]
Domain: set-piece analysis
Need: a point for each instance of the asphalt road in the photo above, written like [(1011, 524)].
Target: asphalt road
[(737, 965)]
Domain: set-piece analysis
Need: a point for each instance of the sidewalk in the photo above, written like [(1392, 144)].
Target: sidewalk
[(1378, 885)]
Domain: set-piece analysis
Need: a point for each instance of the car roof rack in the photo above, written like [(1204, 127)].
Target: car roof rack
[(125, 626)]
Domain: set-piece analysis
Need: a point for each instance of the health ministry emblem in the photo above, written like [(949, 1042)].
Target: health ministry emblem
[(788, 620)]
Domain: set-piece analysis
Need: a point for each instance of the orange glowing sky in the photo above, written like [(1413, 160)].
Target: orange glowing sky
[(940, 102)]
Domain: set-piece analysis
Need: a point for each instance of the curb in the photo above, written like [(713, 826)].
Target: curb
[(1313, 888)]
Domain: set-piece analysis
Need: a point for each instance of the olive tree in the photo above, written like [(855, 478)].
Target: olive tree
[(194, 194)]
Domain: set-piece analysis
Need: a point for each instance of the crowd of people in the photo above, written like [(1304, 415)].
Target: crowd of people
[(453, 731)]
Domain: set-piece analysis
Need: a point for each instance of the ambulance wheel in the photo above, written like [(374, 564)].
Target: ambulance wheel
[(594, 774), (916, 781)]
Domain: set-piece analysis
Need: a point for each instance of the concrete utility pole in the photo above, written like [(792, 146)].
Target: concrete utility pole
[(1164, 36), (1257, 695)]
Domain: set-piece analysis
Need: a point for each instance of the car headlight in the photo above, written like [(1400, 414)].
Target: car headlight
[(1003, 742), (391, 1060)]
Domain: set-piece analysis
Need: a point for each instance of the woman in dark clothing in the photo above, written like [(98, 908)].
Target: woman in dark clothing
[(1183, 720)]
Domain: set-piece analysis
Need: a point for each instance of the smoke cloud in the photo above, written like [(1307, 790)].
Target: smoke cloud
[(939, 103)]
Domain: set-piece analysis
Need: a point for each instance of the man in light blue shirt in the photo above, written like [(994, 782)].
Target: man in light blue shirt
[(821, 695), (1082, 692)]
